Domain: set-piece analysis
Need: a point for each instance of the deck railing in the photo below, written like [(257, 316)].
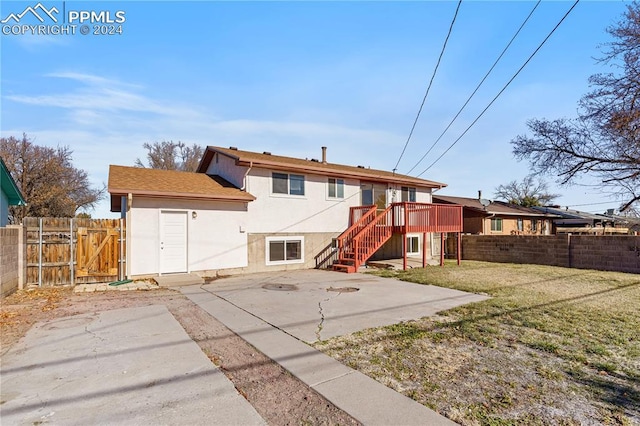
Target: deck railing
[(357, 212), (421, 217)]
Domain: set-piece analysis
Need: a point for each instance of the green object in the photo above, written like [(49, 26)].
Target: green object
[(121, 282)]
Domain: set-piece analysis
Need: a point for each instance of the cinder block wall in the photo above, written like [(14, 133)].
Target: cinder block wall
[(608, 253), (9, 260)]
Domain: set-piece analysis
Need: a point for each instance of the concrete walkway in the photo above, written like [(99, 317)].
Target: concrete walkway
[(127, 367), (246, 306)]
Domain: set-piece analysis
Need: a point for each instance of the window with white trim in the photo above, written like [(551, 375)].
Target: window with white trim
[(408, 194), (496, 224), (336, 188), (534, 225), (520, 224), (283, 250), (413, 244), (284, 183)]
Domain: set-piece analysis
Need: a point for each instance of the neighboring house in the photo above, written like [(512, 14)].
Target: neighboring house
[(575, 221), (249, 212), (10, 194), (499, 218)]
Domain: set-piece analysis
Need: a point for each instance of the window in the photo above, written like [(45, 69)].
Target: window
[(281, 250), (283, 183), (534, 226), (520, 225), (413, 245), (336, 188), (496, 224), (408, 194)]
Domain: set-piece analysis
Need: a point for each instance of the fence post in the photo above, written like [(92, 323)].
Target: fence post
[(39, 252), (120, 258), (71, 258)]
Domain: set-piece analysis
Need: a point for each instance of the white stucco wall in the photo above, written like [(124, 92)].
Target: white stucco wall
[(312, 212), (225, 167), (216, 238)]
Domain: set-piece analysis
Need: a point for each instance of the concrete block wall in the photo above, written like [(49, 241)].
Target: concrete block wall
[(607, 253), (9, 260)]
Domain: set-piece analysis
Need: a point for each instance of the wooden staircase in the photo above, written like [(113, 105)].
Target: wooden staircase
[(363, 238)]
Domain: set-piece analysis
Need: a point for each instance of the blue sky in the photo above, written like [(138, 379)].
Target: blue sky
[(290, 77)]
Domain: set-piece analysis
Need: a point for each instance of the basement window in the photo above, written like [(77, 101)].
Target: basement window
[(413, 245), (284, 250)]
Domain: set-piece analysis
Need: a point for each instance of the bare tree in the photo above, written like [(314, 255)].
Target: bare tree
[(604, 140), (47, 179), (169, 155), (530, 192)]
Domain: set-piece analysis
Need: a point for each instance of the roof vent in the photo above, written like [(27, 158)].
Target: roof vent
[(361, 167), (266, 152), (235, 148), (315, 160)]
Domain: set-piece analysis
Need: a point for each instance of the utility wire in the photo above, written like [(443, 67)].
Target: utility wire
[(435, 70), (503, 89), (477, 87)]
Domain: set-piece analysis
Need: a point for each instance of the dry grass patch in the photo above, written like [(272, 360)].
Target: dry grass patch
[(552, 346)]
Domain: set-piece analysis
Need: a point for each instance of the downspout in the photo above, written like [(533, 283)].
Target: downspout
[(244, 179)]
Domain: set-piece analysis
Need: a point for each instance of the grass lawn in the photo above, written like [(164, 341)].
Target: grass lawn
[(552, 346)]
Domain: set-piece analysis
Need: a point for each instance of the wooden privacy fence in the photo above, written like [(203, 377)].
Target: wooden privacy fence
[(69, 251)]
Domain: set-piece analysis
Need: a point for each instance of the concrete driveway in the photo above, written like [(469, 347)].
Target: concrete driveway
[(128, 366), (316, 305)]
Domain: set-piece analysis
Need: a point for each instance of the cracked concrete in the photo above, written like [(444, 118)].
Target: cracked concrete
[(306, 313)]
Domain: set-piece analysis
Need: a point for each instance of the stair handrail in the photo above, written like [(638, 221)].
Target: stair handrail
[(361, 256), (348, 235)]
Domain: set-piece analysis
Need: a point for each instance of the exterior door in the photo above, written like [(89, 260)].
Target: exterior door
[(173, 242), (374, 194)]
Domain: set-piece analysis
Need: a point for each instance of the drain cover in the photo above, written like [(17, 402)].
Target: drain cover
[(280, 287), (343, 289)]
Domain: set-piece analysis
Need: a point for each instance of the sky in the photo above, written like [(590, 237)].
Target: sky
[(291, 77)]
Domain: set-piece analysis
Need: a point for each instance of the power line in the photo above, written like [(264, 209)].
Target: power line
[(435, 70), (477, 87), (592, 204), (503, 89)]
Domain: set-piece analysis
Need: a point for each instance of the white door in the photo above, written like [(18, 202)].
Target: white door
[(173, 242)]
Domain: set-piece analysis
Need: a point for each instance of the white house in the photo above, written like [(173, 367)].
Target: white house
[(246, 211)]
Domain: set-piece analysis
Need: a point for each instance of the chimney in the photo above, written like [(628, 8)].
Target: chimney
[(324, 155), (479, 194)]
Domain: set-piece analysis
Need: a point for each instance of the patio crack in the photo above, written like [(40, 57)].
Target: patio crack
[(321, 312), (321, 324)]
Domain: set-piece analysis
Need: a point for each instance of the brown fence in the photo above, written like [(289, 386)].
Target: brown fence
[(605, 252), (68, 251)]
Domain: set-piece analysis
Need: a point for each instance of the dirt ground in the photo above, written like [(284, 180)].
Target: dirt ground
[(277, 396)]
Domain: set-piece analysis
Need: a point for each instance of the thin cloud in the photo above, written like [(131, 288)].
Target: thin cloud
[(101, 94)]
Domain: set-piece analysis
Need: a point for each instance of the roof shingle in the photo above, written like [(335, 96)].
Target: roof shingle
[(153, 182), (496, 207), (278, 162)]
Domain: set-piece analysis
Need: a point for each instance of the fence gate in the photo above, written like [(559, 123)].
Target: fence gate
[(97, 252), (69, 251)]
